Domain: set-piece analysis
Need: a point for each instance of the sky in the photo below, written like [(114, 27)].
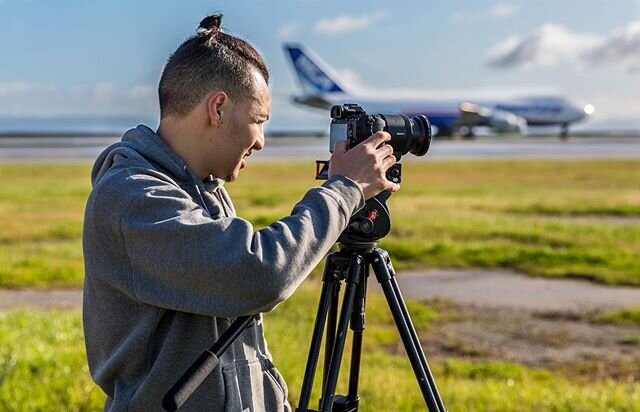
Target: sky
[(104, 58)]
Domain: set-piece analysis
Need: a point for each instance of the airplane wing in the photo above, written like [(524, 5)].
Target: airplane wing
[(501, 121), (313, 100)]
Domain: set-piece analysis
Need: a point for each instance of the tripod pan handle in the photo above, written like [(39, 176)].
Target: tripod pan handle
[(190, 381)]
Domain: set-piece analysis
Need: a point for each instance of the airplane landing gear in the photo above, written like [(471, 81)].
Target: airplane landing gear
[(564, 132)]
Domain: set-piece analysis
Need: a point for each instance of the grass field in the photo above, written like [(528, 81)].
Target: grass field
[(546, 218), (42, 367), (626, 316)]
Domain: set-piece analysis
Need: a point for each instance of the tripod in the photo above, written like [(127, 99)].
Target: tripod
[(352, 264)]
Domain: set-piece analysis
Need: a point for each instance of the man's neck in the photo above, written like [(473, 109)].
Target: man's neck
[(183, 139)]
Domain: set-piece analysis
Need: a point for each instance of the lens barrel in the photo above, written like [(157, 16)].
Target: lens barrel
[(408, 134)]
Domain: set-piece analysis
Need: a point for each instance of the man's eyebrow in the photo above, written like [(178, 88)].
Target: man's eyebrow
[(262, 115)]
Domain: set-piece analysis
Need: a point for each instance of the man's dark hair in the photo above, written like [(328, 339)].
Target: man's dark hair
[(208, 61)]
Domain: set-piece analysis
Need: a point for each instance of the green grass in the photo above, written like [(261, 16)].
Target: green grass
[(626, 316), (41, 211), (548, 218), (388, 383), (43, 367), (545, 218)]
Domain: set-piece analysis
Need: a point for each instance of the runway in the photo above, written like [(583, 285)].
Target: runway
[(86, 149)]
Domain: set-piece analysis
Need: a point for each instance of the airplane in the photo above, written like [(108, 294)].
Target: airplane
[(450, 115)]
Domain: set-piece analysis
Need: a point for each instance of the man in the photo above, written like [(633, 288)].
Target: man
[(168, 265)]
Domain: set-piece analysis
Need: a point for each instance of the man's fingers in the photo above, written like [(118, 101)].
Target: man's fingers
[(388, 161), (377, 139), (391, 187), (384, 151)]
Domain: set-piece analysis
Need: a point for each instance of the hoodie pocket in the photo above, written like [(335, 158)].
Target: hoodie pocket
[(254, 386)]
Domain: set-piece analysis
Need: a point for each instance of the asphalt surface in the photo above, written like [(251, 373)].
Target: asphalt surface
[(482, 287), (79, 149), (498, 288), (57, 298)]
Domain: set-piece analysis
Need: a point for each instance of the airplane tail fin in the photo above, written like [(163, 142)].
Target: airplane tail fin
[(315, 77)]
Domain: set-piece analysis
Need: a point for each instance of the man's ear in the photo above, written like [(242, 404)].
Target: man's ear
[(217, 103)]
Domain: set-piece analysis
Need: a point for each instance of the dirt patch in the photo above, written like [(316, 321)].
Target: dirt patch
[(564, 341)]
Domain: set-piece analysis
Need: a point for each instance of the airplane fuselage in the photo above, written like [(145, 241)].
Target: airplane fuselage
[(509, 113), (543, 111)]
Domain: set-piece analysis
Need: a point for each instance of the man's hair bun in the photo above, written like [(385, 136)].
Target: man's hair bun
[(211, 59), (210, 25)]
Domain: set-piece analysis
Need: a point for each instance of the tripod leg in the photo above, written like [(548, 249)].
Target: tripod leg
[(380, 260), (326, 299), (330, 332), (357, 326), (355, 269)]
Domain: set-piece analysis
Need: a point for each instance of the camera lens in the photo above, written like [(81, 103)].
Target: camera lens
[(420, 136), (408, 135)]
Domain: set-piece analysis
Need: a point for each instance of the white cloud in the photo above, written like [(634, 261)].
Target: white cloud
[(497, 11), (546, 46), (552, 44), (502, 10), (623, 44), (12, 89), (342, 23), (288, 30), (100, 99)]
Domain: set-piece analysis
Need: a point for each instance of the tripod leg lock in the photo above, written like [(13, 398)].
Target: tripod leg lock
[(382, 266)]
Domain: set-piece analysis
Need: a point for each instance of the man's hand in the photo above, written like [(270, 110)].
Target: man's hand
[(365, 164)]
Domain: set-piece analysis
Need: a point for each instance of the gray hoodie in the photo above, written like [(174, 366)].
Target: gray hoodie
[(168, 266)]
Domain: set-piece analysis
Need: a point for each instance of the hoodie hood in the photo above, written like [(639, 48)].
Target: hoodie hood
[(144, 145)]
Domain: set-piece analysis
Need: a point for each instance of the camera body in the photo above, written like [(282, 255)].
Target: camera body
[(352, 123)]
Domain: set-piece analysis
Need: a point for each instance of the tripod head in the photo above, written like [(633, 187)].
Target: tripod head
[(369, 224)]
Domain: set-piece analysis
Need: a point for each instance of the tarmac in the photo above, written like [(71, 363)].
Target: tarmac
[(86, 149)]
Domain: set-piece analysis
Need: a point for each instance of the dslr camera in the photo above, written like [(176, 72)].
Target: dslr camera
[(350, 122)]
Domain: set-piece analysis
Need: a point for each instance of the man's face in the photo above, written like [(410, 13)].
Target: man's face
[(244, 130)]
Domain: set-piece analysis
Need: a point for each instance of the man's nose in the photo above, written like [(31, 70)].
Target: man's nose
[(259, 142)]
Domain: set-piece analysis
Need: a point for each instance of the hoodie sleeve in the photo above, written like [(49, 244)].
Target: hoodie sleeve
[(183, 260)]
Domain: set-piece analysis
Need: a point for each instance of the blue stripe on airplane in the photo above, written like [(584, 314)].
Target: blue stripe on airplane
[(311, 74)]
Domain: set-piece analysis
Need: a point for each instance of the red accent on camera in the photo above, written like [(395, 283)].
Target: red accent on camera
[(372, 215)]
